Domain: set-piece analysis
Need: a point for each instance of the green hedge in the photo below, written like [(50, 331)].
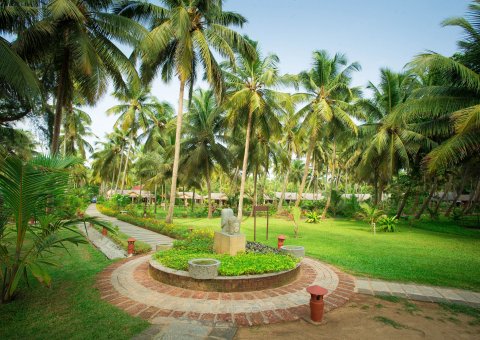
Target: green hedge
[(172, 230)]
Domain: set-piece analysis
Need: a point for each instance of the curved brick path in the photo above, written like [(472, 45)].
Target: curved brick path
[(128, 285)]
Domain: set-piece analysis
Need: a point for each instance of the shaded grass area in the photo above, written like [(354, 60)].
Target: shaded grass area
[(71, 308), (436, 253)]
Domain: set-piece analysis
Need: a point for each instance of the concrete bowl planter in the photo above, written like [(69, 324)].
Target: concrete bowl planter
[(297, 251), (203, 269)]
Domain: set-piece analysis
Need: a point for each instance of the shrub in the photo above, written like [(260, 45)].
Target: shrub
[(312, 217), (388, 224)]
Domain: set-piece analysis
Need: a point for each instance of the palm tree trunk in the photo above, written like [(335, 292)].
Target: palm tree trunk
[(474, 198), (119, 170), (313, 175), (209, 189), (402, 204), (329, 199), (155, 203), (176, 159), (426, 201), (126, 166), (244, 166), (307, 164), (445, 192), (254, 201), (193, 198), (60, 102), (284, 188), (457, 196)]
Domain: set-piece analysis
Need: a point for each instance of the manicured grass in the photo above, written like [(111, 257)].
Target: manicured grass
[(71, 308), (436, 253)]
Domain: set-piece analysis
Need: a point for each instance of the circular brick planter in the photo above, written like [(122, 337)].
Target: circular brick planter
[(244, 283), (127, 285), (203, 269), (297, 251)]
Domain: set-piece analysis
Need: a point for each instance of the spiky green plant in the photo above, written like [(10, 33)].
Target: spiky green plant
[(28, 192)]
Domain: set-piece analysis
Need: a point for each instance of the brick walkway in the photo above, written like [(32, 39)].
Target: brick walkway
[(416, 292), (128, 285)]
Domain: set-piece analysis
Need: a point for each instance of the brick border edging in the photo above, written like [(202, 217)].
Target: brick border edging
[(225, 284), (338, 297)]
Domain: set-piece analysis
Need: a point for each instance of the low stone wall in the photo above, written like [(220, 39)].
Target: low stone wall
[(244, 283)]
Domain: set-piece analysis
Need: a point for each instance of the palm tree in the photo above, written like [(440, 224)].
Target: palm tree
[(76, 127), (182, 37), (328, 92), (15, 73), (201, 146), (76, 38), (137, 109), (25, 248), (252, 101)]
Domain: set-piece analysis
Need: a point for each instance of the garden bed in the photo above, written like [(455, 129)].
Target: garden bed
[(260, 267)]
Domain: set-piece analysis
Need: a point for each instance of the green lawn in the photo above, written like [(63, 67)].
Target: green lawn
[(436, 253), (71, 308)]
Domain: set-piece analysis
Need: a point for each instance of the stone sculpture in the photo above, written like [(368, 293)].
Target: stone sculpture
[(230, 224)]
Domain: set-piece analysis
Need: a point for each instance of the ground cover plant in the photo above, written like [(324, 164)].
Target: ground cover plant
[(200, 245)]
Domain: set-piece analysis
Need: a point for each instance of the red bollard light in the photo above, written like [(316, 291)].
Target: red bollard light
[(281, 240), (131, 246), (316, 302), (104, 231)]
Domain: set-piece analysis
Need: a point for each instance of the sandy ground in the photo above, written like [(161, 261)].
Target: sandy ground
[(366, 317)]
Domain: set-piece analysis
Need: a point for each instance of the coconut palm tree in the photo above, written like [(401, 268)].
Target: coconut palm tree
[(202, 146), (328, 95), (76, 127), (76, 37), (252, 101), (15, 73), (182, 38)]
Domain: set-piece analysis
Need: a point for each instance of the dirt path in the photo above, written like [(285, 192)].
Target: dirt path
[(366, 317)]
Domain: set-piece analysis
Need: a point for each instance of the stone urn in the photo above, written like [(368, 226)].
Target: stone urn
[(203, 269), (297, 251)]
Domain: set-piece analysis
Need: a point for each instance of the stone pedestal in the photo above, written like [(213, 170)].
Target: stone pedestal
[(224, 243)]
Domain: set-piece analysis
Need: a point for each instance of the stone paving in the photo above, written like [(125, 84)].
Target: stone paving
[(416, 292), (147, 236), (104, 244), (128, 285)]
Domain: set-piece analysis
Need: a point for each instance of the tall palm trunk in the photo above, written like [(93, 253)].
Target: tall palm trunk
[(119, 170), (126, 166), (60, 101), (284, 188), (402, 204), (457, 195), (473, 199), (155, 202), (254, 198), (244, 166), (307, 164), (426, 201), (312, 176), (332, 179), (176, 159), (209, 189)]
